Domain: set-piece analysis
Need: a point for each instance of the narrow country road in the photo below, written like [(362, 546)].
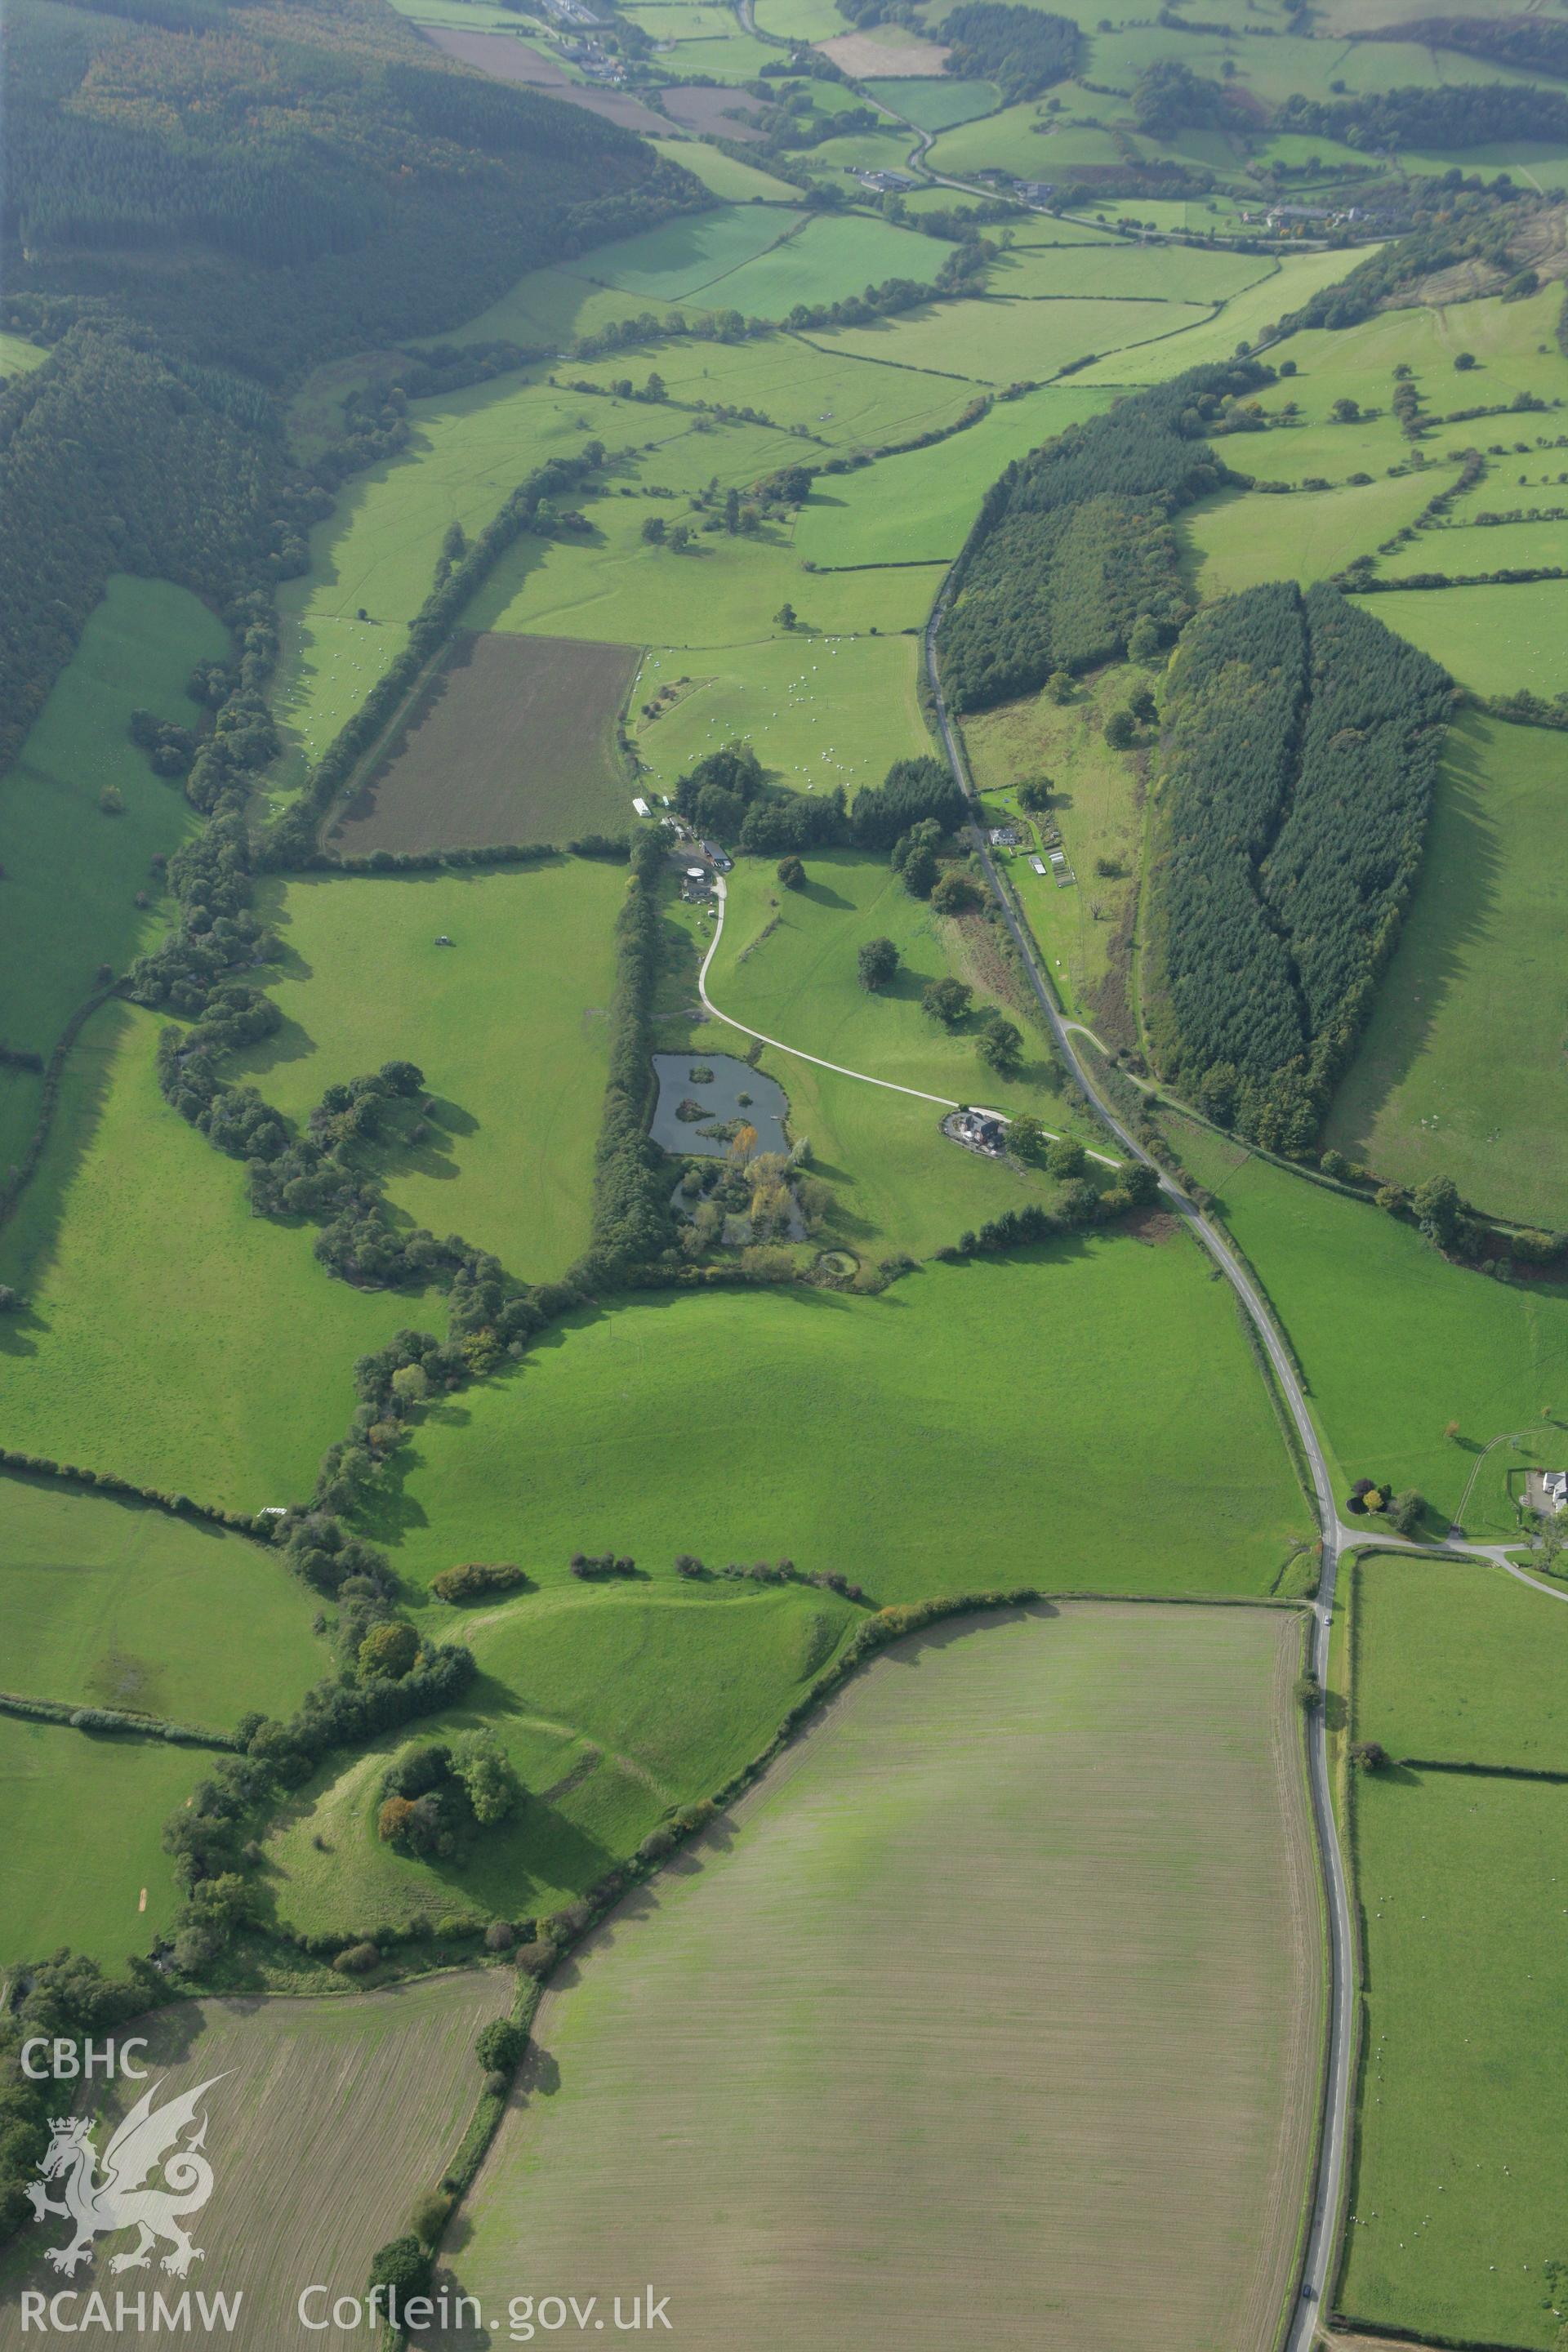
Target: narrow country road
[(1321, 2238), (865, 1077)]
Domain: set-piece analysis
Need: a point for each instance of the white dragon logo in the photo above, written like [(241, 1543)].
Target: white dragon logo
[(121, 2200)]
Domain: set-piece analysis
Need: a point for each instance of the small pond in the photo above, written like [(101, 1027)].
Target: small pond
[(708, 1087)]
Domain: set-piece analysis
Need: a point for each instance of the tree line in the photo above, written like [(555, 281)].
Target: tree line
[(1531, 43), (1302, 739), (1467, 114)]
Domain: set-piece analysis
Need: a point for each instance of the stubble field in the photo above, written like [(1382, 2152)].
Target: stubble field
[(775, 2083), (310, 2178)]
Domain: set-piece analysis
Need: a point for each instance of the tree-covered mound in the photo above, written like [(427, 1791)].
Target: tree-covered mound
[(1301, 742), (1073, 546)]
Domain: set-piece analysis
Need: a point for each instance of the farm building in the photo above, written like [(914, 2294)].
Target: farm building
[(641, 806), (977, 1130)]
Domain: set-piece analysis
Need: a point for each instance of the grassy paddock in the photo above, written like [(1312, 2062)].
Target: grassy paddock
[(1481, 960), (147, 1277), (72, 871), (1244, 318), (1395, 1342), (759, 2050), (1460, 1664), (1096, 807), (116, 1604), (918, 506), (721, 591), (591, 1445), (1493, 640), (1454, 2198), (508, 1025), (101, 1799), (1002, 340), (1235, 538), (800, 982), (774, 694)]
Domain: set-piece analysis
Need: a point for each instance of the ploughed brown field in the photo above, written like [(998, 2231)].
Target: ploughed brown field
[(513, 739), (990, 2018), (711, 111)]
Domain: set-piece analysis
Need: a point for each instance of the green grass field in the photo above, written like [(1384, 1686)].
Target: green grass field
[(942, 1983), (595, 1441), (379, 547), (1395, 1342), (844, 403), (1161, 272), (1460, 1664), (614, 1706), (998, 341), (918, 506), (84, 1814), (1513, 342), (1492, 640), (116, 1604), (1484, 548), (507, 1025), (1097, 810), (1480, 964), (732, 182), (1235, 538), (935, 105), (776, 694), (721, 591), (691, 260), (830, 257), (19, 355), (1454, 2198), (1243, 319), (147, 1277), (799, 20), (73, 872), (1008, 141)]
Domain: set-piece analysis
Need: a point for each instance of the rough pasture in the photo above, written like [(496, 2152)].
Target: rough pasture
[(513, 739), (941, 1982)]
